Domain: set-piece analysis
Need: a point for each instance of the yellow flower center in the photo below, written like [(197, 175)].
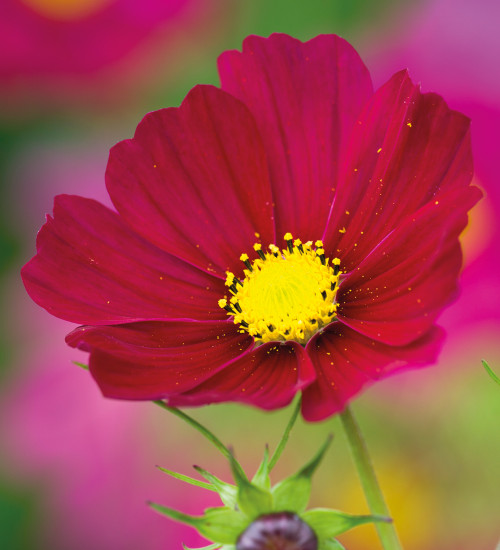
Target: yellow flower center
[(286, 294)]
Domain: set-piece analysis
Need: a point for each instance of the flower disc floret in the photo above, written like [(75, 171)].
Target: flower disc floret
[(286, 294)]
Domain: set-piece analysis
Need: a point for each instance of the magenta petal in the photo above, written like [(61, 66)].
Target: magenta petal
[(405, 148), (267, 377), (91, 268), (194, 181), (155, 360), (346, 362), (396, 293), (305, 98)]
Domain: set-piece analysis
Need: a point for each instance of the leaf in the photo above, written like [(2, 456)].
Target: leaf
[(188, 479), (227, 492), (493, 376), (261, 477), (252, 500), (221, 525), (285, 436), (293, 492), (332, 544), (330, 523)]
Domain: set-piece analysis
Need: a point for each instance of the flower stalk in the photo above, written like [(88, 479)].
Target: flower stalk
[(373, 494)]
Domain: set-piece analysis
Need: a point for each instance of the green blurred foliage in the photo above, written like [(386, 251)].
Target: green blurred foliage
[(20, 513)]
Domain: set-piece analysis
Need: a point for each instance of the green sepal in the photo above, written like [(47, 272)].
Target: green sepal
[(293, 493), (227, 492), (328, 523), (188, 479), (286, 434), (332, 544), (81, 365), (221, 525), (252, 500), (489, 370), (215, 546), (204, 431), (261, 477)]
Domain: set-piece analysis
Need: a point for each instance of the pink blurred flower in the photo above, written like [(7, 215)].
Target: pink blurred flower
[(54, 49)]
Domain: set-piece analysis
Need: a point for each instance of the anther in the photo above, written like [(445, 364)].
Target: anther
[(224, 305), (229, 278), (245, 260), (336, 266), (321, 254), (274, 249), (298, 244), (258, 248), (289, 242)]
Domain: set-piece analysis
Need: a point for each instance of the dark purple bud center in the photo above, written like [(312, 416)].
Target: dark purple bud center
[(278, 531)]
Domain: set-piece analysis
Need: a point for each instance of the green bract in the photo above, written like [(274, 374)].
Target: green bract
[(246, 500)]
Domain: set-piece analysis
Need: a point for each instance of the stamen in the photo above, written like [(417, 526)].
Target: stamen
[(224, 305), (298, 244), (274, 249), (258, 248), (244, 259), (286, 294), (336, 266), (289, 242), (321, 254)]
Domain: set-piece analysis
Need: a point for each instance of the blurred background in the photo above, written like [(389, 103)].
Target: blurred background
[(76, 470)]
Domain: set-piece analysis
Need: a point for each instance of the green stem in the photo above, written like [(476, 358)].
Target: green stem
[(373, 494), (206, 433)]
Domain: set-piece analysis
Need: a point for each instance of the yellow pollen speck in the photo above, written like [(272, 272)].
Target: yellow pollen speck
[(257, 235), (408, 124), (343, 230), (284, 294), (379, 150), (436, 202), (347, 212)]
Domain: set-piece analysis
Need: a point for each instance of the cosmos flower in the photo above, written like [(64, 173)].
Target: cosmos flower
[(290, 231)]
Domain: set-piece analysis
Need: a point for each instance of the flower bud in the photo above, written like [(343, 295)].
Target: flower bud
[(278, 531)]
